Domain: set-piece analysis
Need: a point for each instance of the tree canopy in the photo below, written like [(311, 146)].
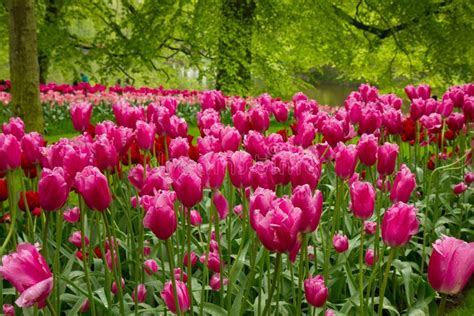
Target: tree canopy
[(250, 46)]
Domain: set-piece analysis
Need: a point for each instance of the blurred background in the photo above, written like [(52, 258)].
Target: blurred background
[(246, 47)]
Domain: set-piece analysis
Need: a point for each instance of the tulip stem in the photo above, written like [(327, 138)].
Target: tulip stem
[(442, 304), (12, 210), (385, 279), (301, 273), (361, 269), (50, 307), (187, 220), (276, 275), (169, 248), (85, 256), (57, 266)]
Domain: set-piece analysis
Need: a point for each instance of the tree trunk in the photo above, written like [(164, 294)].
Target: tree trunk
[(235, 47), (24, 69)]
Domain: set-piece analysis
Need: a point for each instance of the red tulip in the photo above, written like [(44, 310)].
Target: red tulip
[(3, 190)]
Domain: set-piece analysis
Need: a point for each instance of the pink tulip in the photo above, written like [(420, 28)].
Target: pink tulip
[(403, 185), (469, 177), (239, 166), (261, 200), (346, 160), (213, 260), (255, 145), (455, 121), (370, 257), (315, 291), (114, 288), (184, 300), (145, 134), (8, 310), (160, 217), (370, 227), (180, 275), (310, 205), (76, 239), (189, 187), (278, 228), (150, 266), (195, 218), (105, 153), (156, 179), (178, 127), (72, 215), (340, 243), (263, 174), (230, 139), (367, 149), (94, 188), (459, 188), (399, 224), (305, 169), (392, 121), (139, 293), (85, 306), (221, 205), (28, 272), (387, 156), (280, 111), (15, 127), (179, 147), (238, 104), (468, 109), (214, 169), (451, 265), (31, 145), (160, 117), (241, 122), (432, 122), (445, 108), (194, 259), (215, 282), (53, 189), (333, 131), (259, 119), (370, 120), (207, 118), (146, 248), (362, 199), (10, 153), (80, 115), (212, 99)]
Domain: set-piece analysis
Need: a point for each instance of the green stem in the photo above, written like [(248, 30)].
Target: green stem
[(442, 304), (187, 220), (385, 279), (85, 256), (276, 275), (301, 274), (361, 269), (169, 248), (57, 266), (12, 210)]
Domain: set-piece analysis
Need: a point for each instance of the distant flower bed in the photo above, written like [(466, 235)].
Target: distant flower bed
[(276, 208)]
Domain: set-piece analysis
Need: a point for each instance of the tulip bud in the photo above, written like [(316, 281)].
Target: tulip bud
[(370, 227), (387, 156), (367, 149), (362, 199), (469, 177), (315, 291), (145, 134), (94, 188), (215, 282), (139, 293), (10, 153), (399, 224), (451, 265), (340, 243), (195, 218), (150, 266), (8, 310), (194, 259), (85, 306), (403, 185), (80, 115), (184, 300), (76, 239), (53, 189), (239, 166), (114, 288), (370, 257), (346, 160), (459, 188)]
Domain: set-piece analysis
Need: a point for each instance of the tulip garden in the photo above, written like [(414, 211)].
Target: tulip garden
[(271, 207)]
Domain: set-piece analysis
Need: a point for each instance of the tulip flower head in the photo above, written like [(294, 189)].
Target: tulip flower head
[(315, 291), (399, 224), (184, 301)]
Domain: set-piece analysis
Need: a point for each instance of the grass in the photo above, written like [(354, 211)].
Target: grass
[(466, 307)]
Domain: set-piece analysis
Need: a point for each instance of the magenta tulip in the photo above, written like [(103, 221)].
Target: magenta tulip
[(114, 288), (160, 217), (184, 300), (72, 215), (150, 266), (145, 134), (76, 239), (31, 146), (80, 115), (28, 272), (367, 149), (362, 199), (310, 205), (387, 156), (214, 169), (230, 139), (194, 259), (8, 310), (263, 174), (346, 160), (369, 257), (15, 127), (239, 166), (403, 185), (370, 227), (53, 189), (278, 228), (305, 169), (139, 293), (94, 188), (221, 204), (179, 147), (259, 119), (215, 282), (399, 224), (189, 188), (340, 243), (105, 153), (261, 200), (451, 265), (315, 291), (195, 218), (10, 153), (459, 188)]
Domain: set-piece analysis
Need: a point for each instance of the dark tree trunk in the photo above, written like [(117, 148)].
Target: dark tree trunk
[(235, 47), (24, 70)]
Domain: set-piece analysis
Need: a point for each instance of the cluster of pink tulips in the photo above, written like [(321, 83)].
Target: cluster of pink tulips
[(360, 210)]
